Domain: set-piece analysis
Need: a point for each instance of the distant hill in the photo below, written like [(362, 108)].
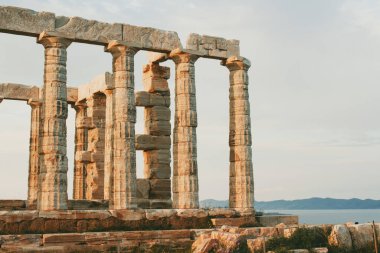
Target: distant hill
[(303, 204)]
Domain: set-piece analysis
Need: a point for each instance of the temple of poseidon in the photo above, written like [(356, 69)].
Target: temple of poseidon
[(107, 195)]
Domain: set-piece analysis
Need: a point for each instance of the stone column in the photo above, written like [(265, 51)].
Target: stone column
[(80, 148), (156, 141), (240, 140), (123, 175), (52, 188), (96, 113), (33, 153), (185, 168), (108, 149)]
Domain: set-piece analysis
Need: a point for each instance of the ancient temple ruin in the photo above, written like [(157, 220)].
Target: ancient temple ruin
[(105, 139)]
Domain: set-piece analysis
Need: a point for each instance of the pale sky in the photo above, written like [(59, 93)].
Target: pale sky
[(314, 89)]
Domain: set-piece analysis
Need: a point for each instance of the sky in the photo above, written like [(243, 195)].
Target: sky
[(314, 90)]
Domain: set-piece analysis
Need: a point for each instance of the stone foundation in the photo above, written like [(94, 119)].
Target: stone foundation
[(78, 221)]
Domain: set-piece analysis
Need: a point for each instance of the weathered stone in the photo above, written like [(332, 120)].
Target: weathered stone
[(24, 21), (361, 234), (205, 245), (213, 47), (19, 92), (151, 38), (7, 204), (52, 187), (81, 154), (130, 215), (33, 152), (18, 241), (185, 197), (123, 182), (231, 242), (158, 214), (240, 139), (83, 30), (340, 237), (95, 137), (257, 244), (143, 188), (187, 212), (239, 221), (146, 99), (150, 142)]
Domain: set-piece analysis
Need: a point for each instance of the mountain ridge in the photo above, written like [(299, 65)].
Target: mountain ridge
[(314, 203)]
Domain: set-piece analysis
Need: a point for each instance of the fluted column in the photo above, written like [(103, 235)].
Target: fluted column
[(52, 188), (108, 151), (123, 174), (80, 148), (33, 153), (185, 168), (240, 139)]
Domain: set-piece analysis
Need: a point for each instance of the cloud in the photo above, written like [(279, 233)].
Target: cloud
[(363, 15)]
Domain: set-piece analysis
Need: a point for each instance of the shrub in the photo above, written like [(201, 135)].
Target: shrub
[(302, 238)]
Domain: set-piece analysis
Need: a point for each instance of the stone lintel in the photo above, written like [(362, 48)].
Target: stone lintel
[(180, 51), (99, 84), (31, 23), (21, 92), (27, 22), (213, 47)]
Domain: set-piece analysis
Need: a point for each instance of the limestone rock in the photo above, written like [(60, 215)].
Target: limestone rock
[(205, 246), (361, 234), (257, 244), (340, 236), (231, 242)]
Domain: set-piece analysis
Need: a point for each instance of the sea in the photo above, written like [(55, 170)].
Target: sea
[(332, 216)]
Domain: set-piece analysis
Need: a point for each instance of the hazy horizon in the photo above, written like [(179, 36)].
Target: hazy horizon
[(314, 90)]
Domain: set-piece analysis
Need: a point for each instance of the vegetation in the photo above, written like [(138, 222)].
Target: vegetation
[(307, 238)]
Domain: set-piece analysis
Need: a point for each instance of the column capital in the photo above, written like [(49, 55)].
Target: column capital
[(236, 63), (184, 56), (116, 47), (53, 39), (34, 103), (108, 92), (79, 105)]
